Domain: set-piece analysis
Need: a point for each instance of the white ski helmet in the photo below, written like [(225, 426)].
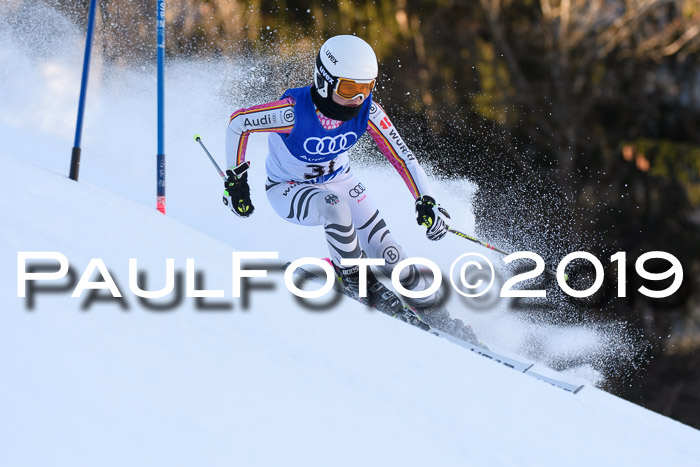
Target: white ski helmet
[(345, 65), (346, 57)]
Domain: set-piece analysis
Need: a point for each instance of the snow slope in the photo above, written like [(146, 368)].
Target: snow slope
[(270, 384), (273, 385)]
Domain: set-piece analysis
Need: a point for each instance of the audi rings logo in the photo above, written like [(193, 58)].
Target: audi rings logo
[(357, 190), (330, 144)]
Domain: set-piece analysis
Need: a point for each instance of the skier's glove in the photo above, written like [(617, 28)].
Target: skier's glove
[(237, 191), (430, 214)]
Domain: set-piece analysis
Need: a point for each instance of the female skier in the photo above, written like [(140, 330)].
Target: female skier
[(310, 183)]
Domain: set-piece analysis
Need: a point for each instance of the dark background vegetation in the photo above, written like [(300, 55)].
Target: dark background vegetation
[(578, 119)]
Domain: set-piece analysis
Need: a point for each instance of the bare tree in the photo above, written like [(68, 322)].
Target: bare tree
[(558, 59)]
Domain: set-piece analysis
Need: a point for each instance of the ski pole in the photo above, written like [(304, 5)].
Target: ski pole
[(549, 271), (476, 240), (198, 139), (237, 171)]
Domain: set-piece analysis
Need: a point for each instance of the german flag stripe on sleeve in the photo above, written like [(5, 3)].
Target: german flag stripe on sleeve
[(390, 153), (259, 118), (261, 108)]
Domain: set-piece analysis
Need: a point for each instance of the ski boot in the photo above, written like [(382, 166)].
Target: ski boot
[(407, 315), (378, 295), (439, 318)]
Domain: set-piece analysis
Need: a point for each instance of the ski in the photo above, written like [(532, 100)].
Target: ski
[(491, 355), (408, 314), (573, 388)]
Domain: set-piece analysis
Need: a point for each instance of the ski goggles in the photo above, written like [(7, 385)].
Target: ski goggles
[(350, 88)]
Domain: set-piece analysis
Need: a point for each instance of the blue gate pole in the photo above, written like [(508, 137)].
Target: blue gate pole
[(75, 155), (160, 200)]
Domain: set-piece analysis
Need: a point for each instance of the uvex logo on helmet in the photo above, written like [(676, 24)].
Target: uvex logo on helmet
[(329, 54), (330, 144)]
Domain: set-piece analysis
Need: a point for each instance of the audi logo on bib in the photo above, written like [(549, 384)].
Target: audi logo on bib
[(330, 144)]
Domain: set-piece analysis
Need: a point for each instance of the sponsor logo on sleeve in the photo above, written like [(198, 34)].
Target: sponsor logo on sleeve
[(265, 120), (398, 142)]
